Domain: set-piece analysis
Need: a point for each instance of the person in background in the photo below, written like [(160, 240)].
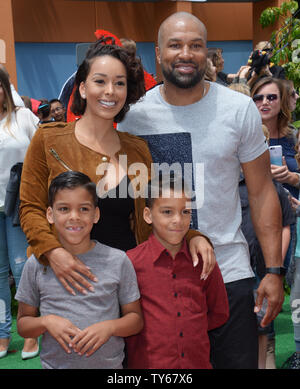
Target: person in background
[(211, 72), (43, 112), (17, 127), (57, 110), (16, 97), (272, 99), (216, 57), (273, 103), (266, 360), (27, 102), (293, 280)]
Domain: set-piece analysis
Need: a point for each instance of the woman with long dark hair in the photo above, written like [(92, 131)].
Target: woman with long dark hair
[(17, 126)]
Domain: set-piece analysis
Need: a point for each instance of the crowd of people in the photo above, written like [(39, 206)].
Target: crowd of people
[(155, 222)]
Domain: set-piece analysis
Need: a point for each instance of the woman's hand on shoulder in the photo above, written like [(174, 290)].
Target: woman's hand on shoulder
[(70, 271), (199, 245)]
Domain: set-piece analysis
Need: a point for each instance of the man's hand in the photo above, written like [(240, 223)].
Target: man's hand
[(92, 337), (271, 288), (69, 270), (63, 330), (200, 245)]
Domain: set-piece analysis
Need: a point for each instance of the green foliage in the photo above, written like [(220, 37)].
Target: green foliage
[(286, 288), (270, 15), (286, 41)]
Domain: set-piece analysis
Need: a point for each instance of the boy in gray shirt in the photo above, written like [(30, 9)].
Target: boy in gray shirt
[(76, 326)]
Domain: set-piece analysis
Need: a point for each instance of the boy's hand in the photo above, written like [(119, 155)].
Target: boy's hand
[(200, 245), (92, 337), (63, 330), (69, 269)]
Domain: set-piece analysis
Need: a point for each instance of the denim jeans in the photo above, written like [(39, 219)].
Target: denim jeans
[(13, 245)]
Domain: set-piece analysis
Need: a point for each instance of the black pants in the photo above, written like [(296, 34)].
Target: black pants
[(235, 344)]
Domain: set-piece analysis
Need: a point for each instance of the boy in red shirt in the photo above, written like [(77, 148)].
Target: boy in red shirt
[(179, 308)]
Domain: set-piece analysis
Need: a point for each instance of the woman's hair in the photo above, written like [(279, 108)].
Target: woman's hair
[(289, 85), (297, 155), (213, 53), (8, 104), (266, 133), (134, 71), (263, 45), (211, 72), (129, 45), (27, 102), (284, 116), (240, 87)]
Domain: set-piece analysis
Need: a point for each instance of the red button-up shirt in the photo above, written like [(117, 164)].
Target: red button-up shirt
[(178, 308)]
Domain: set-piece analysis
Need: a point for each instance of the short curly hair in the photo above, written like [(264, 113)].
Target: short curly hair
[(134, 71)]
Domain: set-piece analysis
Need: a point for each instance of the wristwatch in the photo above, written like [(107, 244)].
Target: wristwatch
[(276, 270)]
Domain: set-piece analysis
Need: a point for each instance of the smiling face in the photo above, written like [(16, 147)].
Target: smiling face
[(182, 51), (268, 108), (170, 219), (73, 214), (105, 88)]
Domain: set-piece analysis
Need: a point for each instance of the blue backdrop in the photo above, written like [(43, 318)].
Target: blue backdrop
[(43, 68)]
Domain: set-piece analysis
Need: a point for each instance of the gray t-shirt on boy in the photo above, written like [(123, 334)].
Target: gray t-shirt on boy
[(213, 135), (117, 285)]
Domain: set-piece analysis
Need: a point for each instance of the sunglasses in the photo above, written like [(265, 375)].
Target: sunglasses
[(270, 97), (294, 93)]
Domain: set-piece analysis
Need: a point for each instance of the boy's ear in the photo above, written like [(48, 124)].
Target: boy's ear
[(97, 215), (147, 215), (49, 215)]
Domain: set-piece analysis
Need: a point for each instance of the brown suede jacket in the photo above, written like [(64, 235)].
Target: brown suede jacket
[(55, 149)]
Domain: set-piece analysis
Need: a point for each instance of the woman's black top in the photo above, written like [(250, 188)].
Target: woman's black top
[(113, 228)]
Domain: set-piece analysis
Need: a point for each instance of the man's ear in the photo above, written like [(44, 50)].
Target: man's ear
[(147, 215), (49, 215), (157, 52)]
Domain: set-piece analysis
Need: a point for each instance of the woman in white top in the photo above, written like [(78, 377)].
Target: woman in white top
[(17, 126)]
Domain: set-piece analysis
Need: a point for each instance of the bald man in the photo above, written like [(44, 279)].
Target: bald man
[(193, 121)]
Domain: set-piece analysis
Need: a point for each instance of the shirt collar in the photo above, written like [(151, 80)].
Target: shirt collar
[(156, 249)]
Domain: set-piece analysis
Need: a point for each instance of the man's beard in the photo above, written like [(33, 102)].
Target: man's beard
[(183, 81)]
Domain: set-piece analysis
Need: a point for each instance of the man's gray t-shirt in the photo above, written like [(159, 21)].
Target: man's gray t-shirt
[(116, 286), (215, 135)]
